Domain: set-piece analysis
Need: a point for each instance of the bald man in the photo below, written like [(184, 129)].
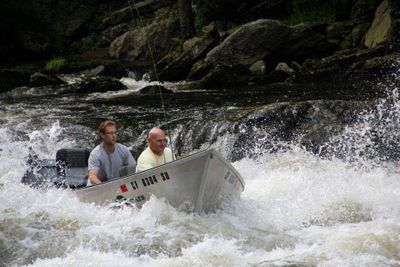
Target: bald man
[(156, 153)]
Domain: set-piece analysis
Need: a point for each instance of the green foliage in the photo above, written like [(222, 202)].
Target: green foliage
[(310, 11), (95, 24), (313, 63), (199, 23), (55, 64), (76, 47), (309, 16), (178, 41)]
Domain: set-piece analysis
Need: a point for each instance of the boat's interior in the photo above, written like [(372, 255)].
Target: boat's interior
[(72, 165), (69, 169)]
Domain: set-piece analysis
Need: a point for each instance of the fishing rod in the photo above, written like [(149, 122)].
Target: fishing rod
[(154, 68)]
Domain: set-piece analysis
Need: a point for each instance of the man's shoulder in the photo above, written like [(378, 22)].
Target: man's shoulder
[(169, 154), (96, 151), (123, 149), (146, 153)]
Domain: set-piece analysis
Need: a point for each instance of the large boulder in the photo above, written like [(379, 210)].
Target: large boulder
[(271, 41), (41, 79), (90, 84), (222, 76), (266, 40), (133, 45), (382, 28), (193, 50), (249, 43), (310, 123), (378, 65)]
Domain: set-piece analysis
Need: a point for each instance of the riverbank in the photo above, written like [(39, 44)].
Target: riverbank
[(282, 44)]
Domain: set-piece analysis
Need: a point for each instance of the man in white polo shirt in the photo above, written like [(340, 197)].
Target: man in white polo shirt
[(107, 159), (157, 152)]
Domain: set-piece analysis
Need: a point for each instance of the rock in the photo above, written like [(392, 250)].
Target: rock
[(99, 84), (381, 26), (199, 70), (279, 74), (222, 76), (258, 68), (99, 70), (40, 79), (340, 61), (266, 40), (311, 123), (355, 38), (275, 76), (113, 32), (154, 90), (378, 65), (339, 30), (194, 49), (133, 46), (303, 43), (296, 66), (259, 38), (285, 68)]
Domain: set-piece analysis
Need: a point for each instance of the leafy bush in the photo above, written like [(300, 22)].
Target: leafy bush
[(199, 23), (309, 16), (55, 64)]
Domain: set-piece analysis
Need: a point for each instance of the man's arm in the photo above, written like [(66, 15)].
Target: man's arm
[(94, 167), (129, 160), (94, 179)]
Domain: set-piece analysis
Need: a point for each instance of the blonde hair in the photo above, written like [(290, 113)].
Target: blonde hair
[(104, 125)]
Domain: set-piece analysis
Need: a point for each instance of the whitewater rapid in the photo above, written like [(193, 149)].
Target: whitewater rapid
[(297, 209)]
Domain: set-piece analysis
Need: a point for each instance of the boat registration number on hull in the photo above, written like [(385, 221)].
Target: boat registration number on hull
[(147, 181)]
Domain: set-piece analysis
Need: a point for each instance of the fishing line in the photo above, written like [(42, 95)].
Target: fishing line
[(154, 67)]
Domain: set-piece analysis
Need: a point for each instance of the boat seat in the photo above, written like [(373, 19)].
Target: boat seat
[(72, 165)]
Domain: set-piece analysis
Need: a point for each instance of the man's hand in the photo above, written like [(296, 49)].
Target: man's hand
[(94, 179)]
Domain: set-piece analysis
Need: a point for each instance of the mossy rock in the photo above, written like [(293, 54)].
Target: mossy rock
[(222, 76)]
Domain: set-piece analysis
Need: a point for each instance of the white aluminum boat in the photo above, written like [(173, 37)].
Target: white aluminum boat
[(201, 182)]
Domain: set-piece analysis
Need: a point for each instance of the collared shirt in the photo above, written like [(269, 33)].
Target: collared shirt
[(148, 159)]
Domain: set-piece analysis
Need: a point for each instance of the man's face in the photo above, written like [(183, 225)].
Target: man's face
[(110, 135), (157, 142)]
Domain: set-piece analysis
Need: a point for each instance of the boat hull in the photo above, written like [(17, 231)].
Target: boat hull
[(201, 182)]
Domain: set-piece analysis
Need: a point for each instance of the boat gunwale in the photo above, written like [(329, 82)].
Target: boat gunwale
[(190, 157)]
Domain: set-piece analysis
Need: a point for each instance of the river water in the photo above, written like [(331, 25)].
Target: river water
[(297, 209)]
